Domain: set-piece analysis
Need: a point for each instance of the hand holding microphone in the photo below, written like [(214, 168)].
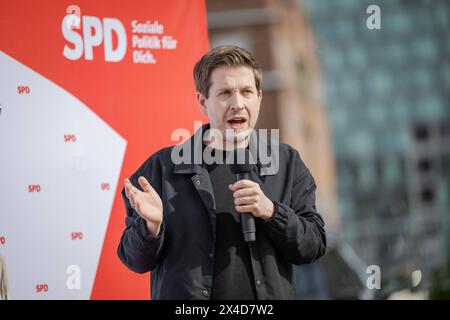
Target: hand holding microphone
[(249, 199)]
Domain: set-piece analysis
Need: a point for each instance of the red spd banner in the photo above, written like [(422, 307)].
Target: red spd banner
[(88, 90)]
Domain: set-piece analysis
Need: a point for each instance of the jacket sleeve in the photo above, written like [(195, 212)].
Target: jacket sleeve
[(139, 250), (297, 230)]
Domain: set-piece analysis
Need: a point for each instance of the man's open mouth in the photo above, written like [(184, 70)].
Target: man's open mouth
[(237, 123)]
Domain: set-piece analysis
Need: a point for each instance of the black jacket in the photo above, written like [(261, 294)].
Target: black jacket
[(181, 257)]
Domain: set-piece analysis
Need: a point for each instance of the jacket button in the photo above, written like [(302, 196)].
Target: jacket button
[(211, 255), (258, 283), (205, 293)]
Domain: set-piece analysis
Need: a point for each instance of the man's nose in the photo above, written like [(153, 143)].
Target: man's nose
[(237, 102)]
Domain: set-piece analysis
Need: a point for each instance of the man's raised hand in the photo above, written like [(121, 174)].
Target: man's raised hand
[(146, 203)]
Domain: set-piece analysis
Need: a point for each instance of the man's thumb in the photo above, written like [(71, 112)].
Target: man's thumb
[(145, 184)]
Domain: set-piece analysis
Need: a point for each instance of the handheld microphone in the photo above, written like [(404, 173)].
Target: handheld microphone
[(242, 171)]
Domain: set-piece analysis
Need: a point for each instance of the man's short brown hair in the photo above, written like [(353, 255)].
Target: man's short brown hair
[(223, 56)]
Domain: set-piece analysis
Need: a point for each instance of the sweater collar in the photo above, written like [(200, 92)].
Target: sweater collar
[(196, 165)]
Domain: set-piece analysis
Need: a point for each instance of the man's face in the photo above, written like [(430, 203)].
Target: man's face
[(233, 103)]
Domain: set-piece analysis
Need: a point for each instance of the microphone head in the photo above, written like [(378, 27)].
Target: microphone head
[(243, 161)]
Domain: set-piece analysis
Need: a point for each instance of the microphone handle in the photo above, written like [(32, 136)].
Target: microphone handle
[(247, 219)]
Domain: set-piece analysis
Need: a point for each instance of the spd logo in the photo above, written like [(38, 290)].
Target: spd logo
[(93, 32)]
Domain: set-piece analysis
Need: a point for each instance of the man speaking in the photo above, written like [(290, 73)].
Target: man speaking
[(215, 229)]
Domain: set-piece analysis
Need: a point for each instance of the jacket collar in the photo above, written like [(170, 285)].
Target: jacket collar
[(195, 143)]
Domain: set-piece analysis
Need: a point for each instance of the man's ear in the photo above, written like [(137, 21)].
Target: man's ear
[(202, 103), (260, 95)]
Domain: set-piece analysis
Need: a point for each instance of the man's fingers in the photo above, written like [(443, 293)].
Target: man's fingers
[(131, 192), (244, 209), (244, 192), (132, 198), (245, 201), (145, 185), (130, 187), (242, 184), (127, 191)]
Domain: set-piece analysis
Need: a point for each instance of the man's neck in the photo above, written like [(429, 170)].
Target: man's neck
[(225, 144)]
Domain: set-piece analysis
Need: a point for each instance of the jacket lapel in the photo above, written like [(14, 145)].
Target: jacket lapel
[(200, 176)]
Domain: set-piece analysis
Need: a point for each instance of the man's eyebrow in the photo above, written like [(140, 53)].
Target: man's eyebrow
[(225, 87)]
